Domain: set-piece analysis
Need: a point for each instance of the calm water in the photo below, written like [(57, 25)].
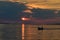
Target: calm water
[(10, 32), (29, 32), (32, 32)]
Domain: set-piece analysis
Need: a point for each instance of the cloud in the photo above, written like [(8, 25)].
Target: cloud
[(3, 0)]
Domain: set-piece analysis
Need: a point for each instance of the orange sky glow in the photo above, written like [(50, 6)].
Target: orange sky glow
[(44, 4)]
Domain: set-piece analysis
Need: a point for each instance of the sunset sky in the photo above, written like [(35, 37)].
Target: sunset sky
[(45, 4), (17, 7)]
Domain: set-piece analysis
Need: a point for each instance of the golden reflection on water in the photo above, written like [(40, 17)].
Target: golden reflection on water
[(32, 32), (22, 31)]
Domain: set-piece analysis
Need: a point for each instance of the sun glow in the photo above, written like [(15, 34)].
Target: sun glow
[(25, 19)]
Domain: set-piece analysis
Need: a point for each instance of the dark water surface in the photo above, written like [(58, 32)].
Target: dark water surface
[(10, 32)]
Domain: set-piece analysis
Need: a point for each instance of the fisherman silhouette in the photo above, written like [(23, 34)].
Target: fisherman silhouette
[(40, 28)]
